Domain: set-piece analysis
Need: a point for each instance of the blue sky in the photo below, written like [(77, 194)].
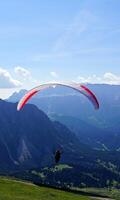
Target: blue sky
[(58, 40)]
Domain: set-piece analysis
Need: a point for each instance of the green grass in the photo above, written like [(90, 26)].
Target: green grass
[(16, 190)]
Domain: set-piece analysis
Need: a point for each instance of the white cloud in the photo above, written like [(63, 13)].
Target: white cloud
[(107, 78), (25, 76), (54, 74), (22, 72), (7, 81)]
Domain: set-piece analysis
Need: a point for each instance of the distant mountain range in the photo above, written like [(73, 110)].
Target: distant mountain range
[(100, 129), (29, 139)]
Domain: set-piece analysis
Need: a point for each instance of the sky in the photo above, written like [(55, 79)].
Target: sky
[(67, 40)]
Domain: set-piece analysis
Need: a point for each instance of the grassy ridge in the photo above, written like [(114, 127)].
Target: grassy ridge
[(16, 190)]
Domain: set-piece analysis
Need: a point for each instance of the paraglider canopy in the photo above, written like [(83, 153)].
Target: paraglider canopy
[(77, 87)]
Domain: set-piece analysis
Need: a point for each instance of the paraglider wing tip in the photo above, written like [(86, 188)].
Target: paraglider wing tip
[(97, 107), (25, 99), (92, 96), (18, 107)]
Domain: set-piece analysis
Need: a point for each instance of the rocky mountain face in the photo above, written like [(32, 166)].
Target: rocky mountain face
[(29, 138)]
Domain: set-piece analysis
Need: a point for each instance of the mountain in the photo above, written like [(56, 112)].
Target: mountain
[(87, 133), (17, 95), (100, 129), (29, 138)]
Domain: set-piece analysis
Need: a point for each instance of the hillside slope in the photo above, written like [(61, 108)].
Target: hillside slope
[(11, 189), (29, 139)]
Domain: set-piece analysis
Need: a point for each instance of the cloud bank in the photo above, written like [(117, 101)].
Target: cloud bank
[(107, 78), (7, 81)]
